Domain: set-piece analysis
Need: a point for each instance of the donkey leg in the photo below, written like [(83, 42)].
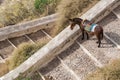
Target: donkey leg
[(87, 35), (100, 37), (99, 43), (82, 35), (99, 40)]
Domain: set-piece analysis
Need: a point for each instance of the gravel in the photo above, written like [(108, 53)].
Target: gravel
[(108, 50), (78, 61), (17, 41), (113, 30), (38, 36), (108, 19), (117, 11), (57, 71), (75, 59), (5, 49)]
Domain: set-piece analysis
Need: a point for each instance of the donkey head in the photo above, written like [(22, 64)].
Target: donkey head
[(75, 21)]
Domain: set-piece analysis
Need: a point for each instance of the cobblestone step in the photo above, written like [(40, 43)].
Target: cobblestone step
[(78, 61), (57, 70)]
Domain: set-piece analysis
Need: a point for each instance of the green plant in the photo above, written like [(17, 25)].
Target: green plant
[(34, 76), (23, 78), (43, 5), (39, 4)]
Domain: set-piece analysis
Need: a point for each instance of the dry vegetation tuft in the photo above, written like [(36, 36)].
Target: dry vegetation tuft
[(109, 72), (15, 11), (19, 55), (70, 9), (23, 52)]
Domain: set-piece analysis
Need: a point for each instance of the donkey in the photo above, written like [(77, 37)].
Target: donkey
[(88, 28)]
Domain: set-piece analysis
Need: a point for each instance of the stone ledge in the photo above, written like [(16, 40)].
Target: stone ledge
[(62, 41), (27, 27)]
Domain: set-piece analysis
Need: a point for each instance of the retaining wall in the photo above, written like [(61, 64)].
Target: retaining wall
[(62, 41), (27, 27)]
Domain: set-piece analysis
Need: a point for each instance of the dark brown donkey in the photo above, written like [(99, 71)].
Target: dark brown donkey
[(89, 28)]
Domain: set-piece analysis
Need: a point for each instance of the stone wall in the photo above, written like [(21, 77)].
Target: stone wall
[(27, 27), (62, 41)]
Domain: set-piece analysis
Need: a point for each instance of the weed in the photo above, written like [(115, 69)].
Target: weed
[(109, 72)]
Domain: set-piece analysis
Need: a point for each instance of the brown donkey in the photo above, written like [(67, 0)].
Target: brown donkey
[(89, 28)]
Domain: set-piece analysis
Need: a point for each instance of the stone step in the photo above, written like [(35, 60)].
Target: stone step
[(78, 61), (103, 54), (5, 49), (9, 45), (56, 70), (117, 11), (113, 30), (18, 40), (108, 19), (108, 50), (38, 36), (111, 26)]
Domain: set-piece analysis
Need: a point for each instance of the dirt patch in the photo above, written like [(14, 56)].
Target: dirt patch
[(3, 69)]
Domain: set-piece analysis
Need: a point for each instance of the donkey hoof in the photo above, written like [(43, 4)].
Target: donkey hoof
[(82, 38), (98, 46), (87, 38), (97, 42)]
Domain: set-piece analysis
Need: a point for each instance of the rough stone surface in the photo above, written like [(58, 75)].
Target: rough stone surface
[(117, 11), (59, 43), (5, 49), (56, 70), (27, 28), (78, 61), (38, 36), (108, 50)]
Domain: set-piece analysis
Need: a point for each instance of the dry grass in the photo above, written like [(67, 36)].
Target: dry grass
[(23, 52), (109, 72), (19, 55), (70, 9), (16, 11)]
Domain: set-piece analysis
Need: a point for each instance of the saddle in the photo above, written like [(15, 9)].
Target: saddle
[(90, 28)]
